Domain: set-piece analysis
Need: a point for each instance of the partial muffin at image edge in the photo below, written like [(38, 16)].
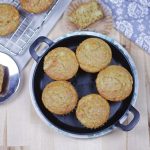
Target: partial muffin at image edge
[(114, 83), (59, 97), (9, 19), (92, 111), (93, 55), (36, 6), (60, 64), (2, 74)]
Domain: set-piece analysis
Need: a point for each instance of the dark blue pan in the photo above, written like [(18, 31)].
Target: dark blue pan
[(84, 84)]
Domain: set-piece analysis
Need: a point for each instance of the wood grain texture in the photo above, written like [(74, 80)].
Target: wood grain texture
[(21, 128), (3, 124)]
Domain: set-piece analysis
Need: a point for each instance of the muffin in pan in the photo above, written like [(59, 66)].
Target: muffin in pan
[(59, 97), (36, 6), (114, 83), (86, 14), (61, 64), (92, 111), (9, 19), (93, 54)]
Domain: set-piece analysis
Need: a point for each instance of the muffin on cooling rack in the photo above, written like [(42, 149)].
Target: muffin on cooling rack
[(36, 6), (114, 83), (92, 111), (93, 54), (9, 19), (60, 64), (59, 97)]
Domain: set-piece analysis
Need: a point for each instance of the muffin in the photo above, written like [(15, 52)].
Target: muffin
[(86, 14), (9, 19), (59, 97), (114, 83), (36, 6), (92, 111), (61, 64), (93, 54), (1, 77)]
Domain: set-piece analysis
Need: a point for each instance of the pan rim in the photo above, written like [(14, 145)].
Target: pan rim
[(122, 119)]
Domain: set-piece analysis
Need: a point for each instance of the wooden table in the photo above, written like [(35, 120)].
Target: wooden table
[(21, 128)]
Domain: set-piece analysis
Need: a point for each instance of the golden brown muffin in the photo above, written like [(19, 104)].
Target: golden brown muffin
[(86, 14), (92, 111), (9, 19), (1, 77), (61, 64), (36, 6), (93, 54), (59, 97), (114, 83)]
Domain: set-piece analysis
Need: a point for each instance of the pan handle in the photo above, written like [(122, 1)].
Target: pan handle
[(131, 125), (35, 44)]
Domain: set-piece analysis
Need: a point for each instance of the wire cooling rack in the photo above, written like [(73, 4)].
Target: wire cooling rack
[(16, 43)]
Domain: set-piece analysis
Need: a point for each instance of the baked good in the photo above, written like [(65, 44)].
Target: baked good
[(92, 111), (114, 83), (86, 14), (61, 64), (9, 19), (36, 6), (93, 54), (1, 77), (59, 97)]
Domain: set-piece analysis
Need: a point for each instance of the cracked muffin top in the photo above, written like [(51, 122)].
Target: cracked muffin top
[(93, 54), (114, 83), (36, 6), (59, 97), (9, 19), (60, 64), (92, 111)]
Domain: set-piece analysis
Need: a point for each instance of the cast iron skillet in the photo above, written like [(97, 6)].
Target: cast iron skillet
[(84, 84)]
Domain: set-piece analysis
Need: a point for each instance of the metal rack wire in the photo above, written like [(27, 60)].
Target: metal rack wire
[(30, 25)]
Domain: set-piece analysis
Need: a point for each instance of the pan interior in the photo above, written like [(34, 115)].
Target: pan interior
[(84, 84)]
